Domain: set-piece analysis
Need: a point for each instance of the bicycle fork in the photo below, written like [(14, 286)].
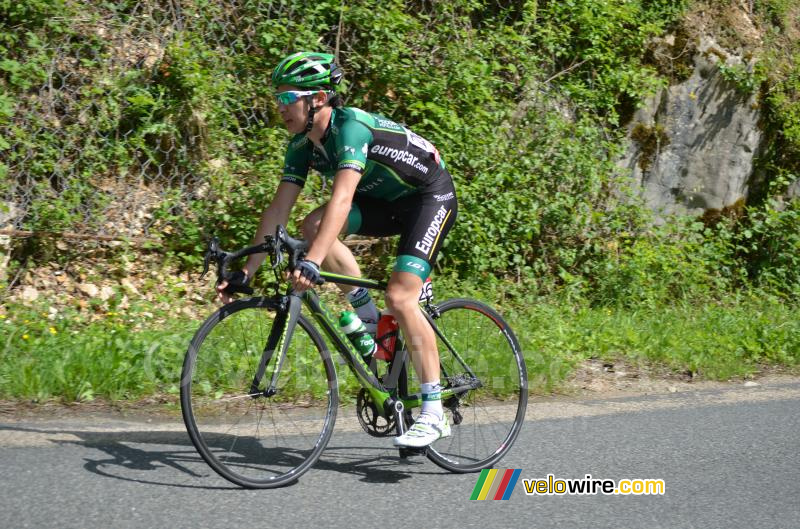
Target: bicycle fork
[(279, 338)]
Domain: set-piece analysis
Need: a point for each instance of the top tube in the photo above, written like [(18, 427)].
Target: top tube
[(352, 281)]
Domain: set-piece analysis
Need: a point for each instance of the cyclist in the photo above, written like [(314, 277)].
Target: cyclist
[(386, 180)]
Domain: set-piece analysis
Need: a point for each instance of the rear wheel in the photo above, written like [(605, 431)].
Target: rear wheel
[(476, 345), (249, 438)]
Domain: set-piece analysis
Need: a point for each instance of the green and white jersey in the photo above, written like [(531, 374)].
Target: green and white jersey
[(393, 161)]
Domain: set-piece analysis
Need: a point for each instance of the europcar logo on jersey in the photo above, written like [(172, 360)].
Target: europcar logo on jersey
[(395, 154), (496, 484)]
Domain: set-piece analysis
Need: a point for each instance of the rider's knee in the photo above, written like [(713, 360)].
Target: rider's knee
[(400, 299)]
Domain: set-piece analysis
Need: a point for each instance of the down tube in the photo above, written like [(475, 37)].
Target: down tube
[(342, 344)]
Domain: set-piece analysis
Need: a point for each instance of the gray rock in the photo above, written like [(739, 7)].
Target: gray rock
[(129, 287), (89, 289), (794, 190), (29, 294), (106, 293), (692, 145)]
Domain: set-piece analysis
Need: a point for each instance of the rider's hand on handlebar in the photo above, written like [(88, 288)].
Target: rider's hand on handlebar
[(223, 294), (306, 275)]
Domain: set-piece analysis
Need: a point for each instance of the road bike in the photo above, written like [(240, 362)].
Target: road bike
[(260, 393)]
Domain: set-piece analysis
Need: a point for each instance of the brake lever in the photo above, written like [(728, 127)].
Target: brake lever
[(277, 258), (213, 248), (206, 261)]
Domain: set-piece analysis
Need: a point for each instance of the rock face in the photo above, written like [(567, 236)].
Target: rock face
[(794, 190), (692, 146)]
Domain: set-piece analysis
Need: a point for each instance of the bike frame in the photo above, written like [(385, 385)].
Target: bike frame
[(383, 394)]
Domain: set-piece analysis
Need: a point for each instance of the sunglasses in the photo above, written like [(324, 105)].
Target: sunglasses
[(292, 96)]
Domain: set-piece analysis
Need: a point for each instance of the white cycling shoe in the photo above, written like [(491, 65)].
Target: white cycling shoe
[(425, 430)]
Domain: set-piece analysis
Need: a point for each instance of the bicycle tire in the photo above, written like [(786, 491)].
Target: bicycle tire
[(492, 415), (257, 441)]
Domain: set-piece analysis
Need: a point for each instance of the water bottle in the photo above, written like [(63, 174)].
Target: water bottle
[(356, 331), (386, 336)]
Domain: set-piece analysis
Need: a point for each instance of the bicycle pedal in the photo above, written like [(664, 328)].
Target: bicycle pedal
[(411, 452)]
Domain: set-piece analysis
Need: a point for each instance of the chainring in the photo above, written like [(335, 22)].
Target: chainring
[(371, 421)]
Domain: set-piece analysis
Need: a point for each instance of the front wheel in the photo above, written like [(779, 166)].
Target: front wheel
[(251, 437), (476, 345)]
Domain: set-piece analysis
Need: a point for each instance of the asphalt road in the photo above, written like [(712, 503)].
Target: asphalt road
[(728, 458)]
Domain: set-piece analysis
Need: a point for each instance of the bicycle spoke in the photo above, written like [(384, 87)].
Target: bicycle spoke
[(474, 342)]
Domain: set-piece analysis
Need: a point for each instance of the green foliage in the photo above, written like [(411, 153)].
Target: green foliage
[(134, 354), (423, 67), (778, 12), (714, 341), (746, 81), (30, 13), (601, 43), (780, 68), (74, 359), (659, 269), (523, 100), (769, 244)]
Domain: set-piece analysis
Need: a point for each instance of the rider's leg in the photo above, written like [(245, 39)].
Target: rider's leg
[(340, 260), (402, 298)]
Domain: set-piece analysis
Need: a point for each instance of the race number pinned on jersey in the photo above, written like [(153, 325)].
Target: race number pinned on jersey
[(422, 143), (426, 292)]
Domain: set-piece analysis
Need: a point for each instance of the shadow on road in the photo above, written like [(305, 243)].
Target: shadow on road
[(143, 456)]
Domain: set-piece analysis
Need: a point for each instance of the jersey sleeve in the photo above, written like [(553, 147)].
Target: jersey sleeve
[(352, 146), (296, 163)]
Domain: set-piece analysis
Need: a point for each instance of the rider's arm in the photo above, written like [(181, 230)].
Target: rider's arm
[(276, 213), (296, 163), (351, 147), (344, 187)]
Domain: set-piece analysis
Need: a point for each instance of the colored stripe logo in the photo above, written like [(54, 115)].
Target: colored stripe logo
[(496, 484)]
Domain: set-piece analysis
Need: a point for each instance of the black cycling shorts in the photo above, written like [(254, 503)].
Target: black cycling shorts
[(422, 220)]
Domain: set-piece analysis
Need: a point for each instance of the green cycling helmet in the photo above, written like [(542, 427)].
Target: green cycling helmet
[(307, 69)]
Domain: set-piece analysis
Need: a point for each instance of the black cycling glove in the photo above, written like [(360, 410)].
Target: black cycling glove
[(309, 270), (237, 282)]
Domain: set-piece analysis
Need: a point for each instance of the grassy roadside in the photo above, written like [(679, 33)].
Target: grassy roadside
[(62, 356), (714, 342)]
